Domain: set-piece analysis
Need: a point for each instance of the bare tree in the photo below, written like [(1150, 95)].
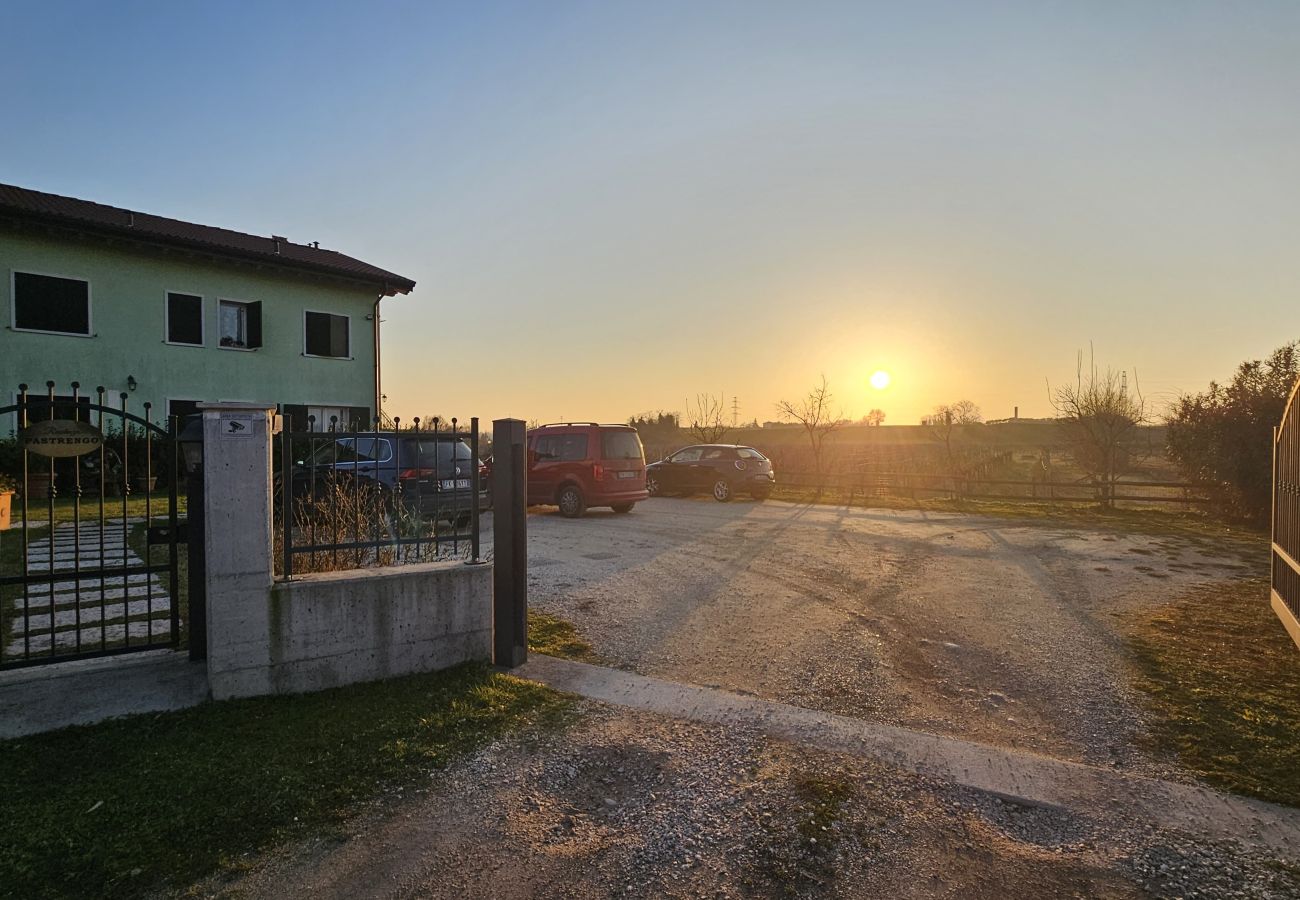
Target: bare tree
[(707, 418), (813, 412), (876, 418), (1099, 416), (947, 418)]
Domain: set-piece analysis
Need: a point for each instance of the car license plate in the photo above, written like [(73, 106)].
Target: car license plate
[(455, 484), (626, 474)]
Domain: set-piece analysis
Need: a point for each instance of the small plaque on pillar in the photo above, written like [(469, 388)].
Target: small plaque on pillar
[(237, 425)]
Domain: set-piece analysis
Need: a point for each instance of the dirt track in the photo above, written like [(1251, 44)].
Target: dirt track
[(1000, 631)]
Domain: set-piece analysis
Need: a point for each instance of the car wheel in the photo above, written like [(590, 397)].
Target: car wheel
[(721, 490), (623, 507), (761, 495), (651, 485), (572, 504)]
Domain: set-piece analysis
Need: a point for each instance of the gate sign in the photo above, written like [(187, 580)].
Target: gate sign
[(61, 437)]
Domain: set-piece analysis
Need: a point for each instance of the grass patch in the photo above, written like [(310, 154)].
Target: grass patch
[(557, 637), (128, 806), (1222, 681), (67, 510)]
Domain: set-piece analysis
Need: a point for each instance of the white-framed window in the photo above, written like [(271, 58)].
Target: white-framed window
[(326, 334), (239, 325), (53, 304), (183, 318)]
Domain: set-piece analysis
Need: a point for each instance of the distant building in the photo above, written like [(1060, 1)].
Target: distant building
[(176, 313)]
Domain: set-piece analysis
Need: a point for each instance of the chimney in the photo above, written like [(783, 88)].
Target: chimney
[(1016, 414), (278, 238)]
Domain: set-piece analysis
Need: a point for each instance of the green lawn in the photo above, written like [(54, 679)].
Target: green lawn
[(66, 508), (127, 806), (1222, 683)]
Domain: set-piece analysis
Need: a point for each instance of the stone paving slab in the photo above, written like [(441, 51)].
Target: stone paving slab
[(1017, 775)]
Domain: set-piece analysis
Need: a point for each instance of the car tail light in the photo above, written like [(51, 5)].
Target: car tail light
[(412, 474), (483, 470), (597, 472)]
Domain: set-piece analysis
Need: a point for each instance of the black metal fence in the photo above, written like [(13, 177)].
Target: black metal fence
[(90, 564), (352, 499)]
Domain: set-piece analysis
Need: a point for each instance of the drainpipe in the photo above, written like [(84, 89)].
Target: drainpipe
[(378, 386)]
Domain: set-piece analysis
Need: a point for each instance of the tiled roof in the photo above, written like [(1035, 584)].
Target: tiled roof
[(83, 215)]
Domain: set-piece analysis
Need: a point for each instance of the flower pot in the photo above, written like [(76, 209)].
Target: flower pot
[(142, 484), (6, 507)]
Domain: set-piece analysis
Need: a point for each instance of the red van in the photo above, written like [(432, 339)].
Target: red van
[(577, 465)]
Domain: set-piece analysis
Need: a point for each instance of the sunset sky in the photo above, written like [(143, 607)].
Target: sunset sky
[(611, 206)]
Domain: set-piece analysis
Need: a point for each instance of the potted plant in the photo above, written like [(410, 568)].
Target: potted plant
[(7, 487)]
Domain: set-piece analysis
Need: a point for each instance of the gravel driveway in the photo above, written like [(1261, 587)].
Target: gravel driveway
[(998, 631), (1001, 631)]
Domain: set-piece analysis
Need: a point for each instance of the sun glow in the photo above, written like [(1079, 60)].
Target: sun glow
[(880, 379)]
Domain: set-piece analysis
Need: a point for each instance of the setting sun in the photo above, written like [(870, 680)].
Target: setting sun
[(880, 380)]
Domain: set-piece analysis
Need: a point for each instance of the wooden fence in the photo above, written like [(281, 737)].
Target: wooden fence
[(919, 486)]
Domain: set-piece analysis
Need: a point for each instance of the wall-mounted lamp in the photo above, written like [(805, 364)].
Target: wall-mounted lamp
[(131, 383)]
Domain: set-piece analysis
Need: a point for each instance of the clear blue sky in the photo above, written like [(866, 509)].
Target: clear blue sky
[(610, 206)]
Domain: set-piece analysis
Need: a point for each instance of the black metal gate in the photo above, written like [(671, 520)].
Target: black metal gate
[(91, 563)]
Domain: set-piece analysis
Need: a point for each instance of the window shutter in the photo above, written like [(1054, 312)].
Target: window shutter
[(338, 336), (254, 324)]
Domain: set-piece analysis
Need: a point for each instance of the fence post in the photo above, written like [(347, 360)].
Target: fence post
[(509, 542)]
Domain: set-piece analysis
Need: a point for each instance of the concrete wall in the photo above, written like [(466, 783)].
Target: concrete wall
[(128, 291), (316, 631), (342, 627)]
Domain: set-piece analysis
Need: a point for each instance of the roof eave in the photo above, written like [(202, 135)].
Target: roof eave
[(389, 286)]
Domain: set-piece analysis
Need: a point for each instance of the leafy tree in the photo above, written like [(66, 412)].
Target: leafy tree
[(814, 414), (875, 418), (1223, 438), (1100, 417)]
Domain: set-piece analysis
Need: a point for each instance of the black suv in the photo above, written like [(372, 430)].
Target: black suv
[(432, 475), (722, 469)]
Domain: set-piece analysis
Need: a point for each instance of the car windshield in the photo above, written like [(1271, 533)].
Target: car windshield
[(620, 445)]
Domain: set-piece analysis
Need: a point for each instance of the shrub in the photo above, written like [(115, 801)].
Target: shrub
[(1223, 438)]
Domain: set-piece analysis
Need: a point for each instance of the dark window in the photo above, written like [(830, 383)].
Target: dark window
[(718, 453), (690, 454), (185, 319), (426, 451), (749, 453), (562, 447), (64, 407), (46, 303), (182, 408), (620, 445), (327, 335)]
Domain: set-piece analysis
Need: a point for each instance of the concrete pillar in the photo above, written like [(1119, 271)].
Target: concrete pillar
[(237, 541)]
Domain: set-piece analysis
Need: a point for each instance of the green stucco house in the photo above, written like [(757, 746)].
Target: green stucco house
[(177, 313)]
